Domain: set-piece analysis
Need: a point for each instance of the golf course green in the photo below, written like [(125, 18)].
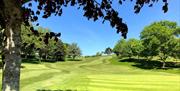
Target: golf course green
[(95, 74)]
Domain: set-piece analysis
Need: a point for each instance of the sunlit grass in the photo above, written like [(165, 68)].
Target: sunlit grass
[(96, 74)]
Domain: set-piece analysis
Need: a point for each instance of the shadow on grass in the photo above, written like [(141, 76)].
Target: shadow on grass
[(151, 64), (1, 65), (55, 90), (32, 61), (37, 61), (70, 59)]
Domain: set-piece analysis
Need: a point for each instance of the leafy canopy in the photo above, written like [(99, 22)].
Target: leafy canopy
[(159, 39), (93, 9)]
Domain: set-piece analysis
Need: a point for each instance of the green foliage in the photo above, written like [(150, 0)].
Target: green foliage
[(174, 48), (177, 32), (158, 39), (119, 47), (108, 51), (98, 54), (73, 50), (135, 47), (150, 39), (60, 51), (132, 47), (34, 44), (28, 41)]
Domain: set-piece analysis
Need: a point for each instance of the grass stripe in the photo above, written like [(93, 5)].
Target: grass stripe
[(41, 77), (137, 83)]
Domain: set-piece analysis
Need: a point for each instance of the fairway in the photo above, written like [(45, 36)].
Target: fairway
[(94, 74)]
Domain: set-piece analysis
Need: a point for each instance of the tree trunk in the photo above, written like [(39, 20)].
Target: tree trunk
[(164, 64), (40, 58), (46, 57), (11, 45), (74, 57), (163, 58), (25, 56)]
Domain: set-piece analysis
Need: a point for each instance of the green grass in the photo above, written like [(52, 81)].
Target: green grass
[(96, 74), (116, 61)]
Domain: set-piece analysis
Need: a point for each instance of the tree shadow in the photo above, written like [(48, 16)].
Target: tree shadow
[(71, 59), (1, 65), (38, 61), (31, 61), (50, 60), (55, 90), (151, 64)]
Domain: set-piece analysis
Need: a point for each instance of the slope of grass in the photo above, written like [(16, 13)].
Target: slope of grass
[(96, 74), (148, 65)]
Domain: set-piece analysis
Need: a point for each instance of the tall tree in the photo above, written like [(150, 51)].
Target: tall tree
[(150, 42), (13, 13), (158, 39)]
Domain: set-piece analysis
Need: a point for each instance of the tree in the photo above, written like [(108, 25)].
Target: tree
[(158, 39), (108, 51), (13, 13), (129, 48), (135, 47), (32, 42), (119, 47), (98, 54), (29, 41), (150, 42), (59, 51), (52, 50), (73, 50)]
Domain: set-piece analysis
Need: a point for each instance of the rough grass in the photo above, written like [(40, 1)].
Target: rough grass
[(96, 74)]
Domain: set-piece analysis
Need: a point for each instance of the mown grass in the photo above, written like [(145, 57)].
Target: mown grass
[(154, 65), (104, 73)]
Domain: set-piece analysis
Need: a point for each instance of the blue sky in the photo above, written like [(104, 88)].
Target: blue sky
[(94, 37)]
